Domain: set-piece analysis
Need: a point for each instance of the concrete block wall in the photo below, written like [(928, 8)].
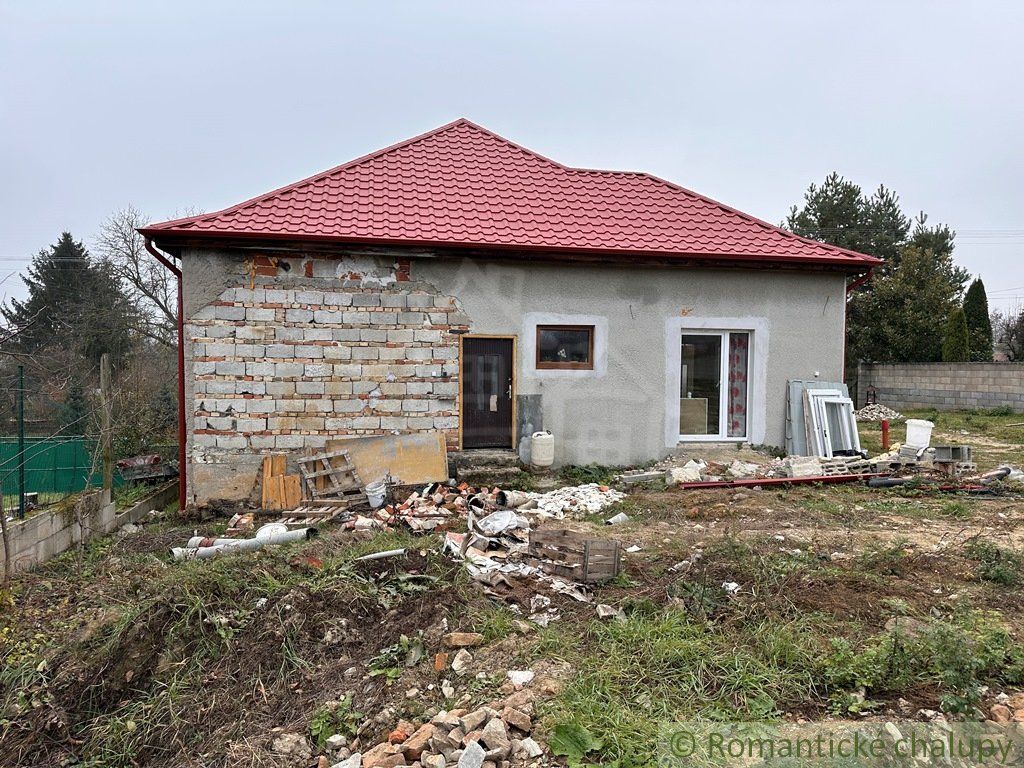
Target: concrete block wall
[(293, 352), (49, 532), (944, 386)]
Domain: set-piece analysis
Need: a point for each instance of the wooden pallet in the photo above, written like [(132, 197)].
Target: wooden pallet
[(329, 474), (582, 559), (306, 515), (280, 491)]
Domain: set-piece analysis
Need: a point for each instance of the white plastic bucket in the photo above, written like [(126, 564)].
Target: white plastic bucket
[(542, 449), (375, 494), (919, 433)]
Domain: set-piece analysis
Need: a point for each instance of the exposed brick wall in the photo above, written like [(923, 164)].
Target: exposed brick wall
[(945, 386), (299, 351)]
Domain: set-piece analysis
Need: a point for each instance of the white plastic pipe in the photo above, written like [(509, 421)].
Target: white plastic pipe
[(269, 534)]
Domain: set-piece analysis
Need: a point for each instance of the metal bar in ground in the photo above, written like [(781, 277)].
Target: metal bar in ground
[(21, 441)]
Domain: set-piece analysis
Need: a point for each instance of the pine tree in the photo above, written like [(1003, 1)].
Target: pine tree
[(898, 315), (72, 301), (979, 325), (955, 343), (53, 286)]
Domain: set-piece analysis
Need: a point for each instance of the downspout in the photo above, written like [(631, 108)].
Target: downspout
[(849, 289), (181, 371), (860, 281)]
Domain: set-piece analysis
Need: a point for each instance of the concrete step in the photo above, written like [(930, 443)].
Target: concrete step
[(490, 476), (484, 457)]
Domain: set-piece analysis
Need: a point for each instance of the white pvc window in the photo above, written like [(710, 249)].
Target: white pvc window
[(833, 427), (714, 390)]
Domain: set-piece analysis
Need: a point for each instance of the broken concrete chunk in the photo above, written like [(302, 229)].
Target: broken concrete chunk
[(803, 466), (532, 748), (463, 639), (474, 720), (384, 755), (495, 735), (355, 761), (415, 744), (609, 612), (293, 744), (517, 719), (336, 742), (472, 756), (462, 662), (519, 678), (521, 700)]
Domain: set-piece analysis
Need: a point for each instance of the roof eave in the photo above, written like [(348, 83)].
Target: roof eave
[(854, 263)]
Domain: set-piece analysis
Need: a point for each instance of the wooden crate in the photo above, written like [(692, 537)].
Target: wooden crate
[(574, 556)]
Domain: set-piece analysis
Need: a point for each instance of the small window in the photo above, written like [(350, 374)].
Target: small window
[(565, 347)]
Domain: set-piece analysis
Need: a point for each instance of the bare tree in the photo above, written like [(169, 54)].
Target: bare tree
[(147, 283)]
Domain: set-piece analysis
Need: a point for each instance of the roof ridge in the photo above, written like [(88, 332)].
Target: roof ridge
[(324, 174)]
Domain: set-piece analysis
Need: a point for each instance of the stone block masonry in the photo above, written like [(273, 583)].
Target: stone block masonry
[(322, 348), (944, 386)]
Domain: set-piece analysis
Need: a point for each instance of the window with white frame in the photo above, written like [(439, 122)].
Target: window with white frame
[(714, 384)]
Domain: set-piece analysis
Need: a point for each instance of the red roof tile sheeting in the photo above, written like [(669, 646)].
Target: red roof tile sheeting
[(461, 185)]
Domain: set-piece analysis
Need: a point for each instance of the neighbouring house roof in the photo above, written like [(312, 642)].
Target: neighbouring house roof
[(463, 186)]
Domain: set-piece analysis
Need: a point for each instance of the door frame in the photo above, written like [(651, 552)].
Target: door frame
[(515, 377), (723, 385)]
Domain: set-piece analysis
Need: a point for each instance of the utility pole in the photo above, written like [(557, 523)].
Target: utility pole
[(21, 441), (106, 431)]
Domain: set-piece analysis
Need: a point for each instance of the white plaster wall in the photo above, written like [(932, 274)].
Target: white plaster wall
[(620, 416)]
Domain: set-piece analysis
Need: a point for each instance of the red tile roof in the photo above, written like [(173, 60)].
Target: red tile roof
[(463, 186)]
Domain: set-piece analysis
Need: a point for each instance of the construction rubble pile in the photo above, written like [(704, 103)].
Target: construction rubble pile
[(878, 412), (439, 503), (496, 734), (701, 471)]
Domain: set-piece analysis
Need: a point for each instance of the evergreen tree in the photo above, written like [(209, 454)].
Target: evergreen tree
[(72, 301), (955, 344), (898, 315), (53, 286), (979, 325)]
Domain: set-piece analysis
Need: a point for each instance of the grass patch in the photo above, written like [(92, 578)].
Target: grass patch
[(995, 564), (655, 668), (589, 473)]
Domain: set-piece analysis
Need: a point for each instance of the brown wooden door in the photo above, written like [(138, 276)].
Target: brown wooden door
[(486, 393)]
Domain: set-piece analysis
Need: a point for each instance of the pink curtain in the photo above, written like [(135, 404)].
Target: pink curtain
[(739, 344)]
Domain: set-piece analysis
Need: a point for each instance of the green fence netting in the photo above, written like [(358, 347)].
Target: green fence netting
[(54, 467)]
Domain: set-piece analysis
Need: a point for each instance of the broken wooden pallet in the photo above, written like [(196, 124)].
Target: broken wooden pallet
[(584, 560), (280, 490), (308, 516), (329, 474)]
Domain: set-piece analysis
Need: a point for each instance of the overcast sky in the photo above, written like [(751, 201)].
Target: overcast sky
[(178, 105)]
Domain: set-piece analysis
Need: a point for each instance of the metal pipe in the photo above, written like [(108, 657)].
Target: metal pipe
[(885, 434), (21, 441), (181, 370), (860, 281), (749, 482)]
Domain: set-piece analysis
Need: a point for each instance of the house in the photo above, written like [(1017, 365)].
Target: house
[(459, 282)]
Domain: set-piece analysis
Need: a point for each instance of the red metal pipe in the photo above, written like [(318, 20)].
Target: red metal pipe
[(885, 434), (748, 482), (181, 371), (860, 281)]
